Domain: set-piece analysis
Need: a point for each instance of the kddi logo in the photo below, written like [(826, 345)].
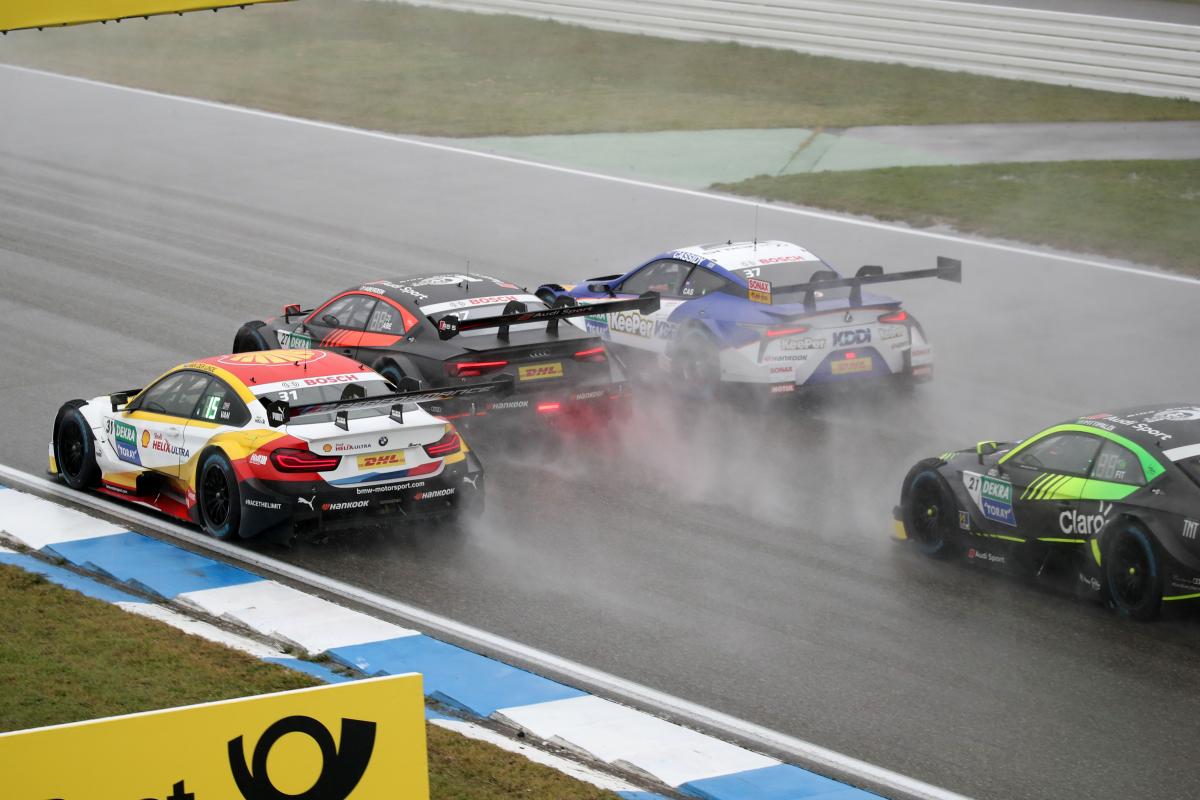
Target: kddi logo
[(847, 338), (341, 767)]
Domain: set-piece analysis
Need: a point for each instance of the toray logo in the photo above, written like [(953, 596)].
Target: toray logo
[(341, 768), (849, 338)]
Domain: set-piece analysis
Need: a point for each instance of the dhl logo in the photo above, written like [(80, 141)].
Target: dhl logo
[(537, 371), (392, 459)]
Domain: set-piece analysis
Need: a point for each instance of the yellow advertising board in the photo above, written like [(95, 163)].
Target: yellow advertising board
[(17, 14), (359, 740)]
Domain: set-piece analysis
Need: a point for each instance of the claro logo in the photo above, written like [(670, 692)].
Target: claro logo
[(341, 767)]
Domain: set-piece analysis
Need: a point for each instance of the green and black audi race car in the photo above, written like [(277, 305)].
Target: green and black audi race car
[(1109, 502)]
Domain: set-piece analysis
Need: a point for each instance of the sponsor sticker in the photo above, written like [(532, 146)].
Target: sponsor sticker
[(535, 372), (263, 504), (395, 458), (983, 555), (345, 505), (272, 358), (807, 343), (964, 520), (993, 497), (850, 366), (783, 388), (294, 341), (258, 459), (434, 493), (759, 291), (851, 338), (1189, 528), (124, 439), (1077, 524)]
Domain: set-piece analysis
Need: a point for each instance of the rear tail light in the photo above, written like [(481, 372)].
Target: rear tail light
[(287, 459), (771, 332), (445, 446), (548, 408), (894, 317), (849, 354), (473, 369), (594, 354)]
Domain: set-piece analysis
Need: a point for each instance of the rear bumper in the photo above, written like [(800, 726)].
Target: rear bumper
[(580, 405), (317, 505)]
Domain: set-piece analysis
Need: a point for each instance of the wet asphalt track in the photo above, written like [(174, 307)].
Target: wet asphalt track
[(737, 560)]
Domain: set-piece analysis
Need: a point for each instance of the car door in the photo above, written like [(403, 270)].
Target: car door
[(650, 331), (218, 410), (339, 324), (1047, 475), (385, 329), (149, 433)]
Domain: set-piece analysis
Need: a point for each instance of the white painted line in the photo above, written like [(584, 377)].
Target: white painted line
[(36, 522), (784, 209), (295, 618), (202, 629), (633, 740), (573, 768), (806, 754)]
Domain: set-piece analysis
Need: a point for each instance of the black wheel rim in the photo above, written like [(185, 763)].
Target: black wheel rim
[(698, 368), (1131, 567), (216, 496), (926, 512), (71, 450)]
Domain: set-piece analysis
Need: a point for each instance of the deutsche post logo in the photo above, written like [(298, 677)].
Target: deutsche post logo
[(536, 371), (341, 767), (392, 459)]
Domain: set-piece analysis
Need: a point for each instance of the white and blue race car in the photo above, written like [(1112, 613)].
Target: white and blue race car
[(769, 315)]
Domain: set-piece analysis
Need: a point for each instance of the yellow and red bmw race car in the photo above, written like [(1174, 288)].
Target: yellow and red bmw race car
[(282, 440)]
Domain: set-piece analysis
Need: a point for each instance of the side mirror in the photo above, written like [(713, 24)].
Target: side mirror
[(330, 320), (290, 310), (986, 449)]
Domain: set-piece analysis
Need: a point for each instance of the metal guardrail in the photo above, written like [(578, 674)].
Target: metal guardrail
[(1122, 55)]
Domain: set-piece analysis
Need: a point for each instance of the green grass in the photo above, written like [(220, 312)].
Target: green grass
[(65, 657), (389, 66), (1143, 211)]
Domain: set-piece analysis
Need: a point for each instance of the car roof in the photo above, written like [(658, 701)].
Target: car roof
[(273, 366), (1166, 427), (732, 256), (437, 288)]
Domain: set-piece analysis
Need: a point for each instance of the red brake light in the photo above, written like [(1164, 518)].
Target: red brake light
[(548, 408), (473, 369), (595, 354), (894, 317), (287, 459), (850, 354), (445, 446), (787, 331)]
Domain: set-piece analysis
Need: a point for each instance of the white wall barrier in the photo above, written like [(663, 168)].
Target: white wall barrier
[(1122, 55)]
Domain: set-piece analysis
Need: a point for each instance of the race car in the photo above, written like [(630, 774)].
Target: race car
[(1109, 502), (441, 330), (765, 315), (285, 441)]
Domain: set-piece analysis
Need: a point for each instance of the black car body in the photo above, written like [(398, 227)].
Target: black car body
[(1109, 502), (445, 330)]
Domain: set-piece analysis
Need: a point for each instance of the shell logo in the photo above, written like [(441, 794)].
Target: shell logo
[(146, 438), (326, 448), (273, 358)]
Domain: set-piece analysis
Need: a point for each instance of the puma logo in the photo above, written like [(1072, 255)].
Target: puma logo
[(471, 479), (308, 502)]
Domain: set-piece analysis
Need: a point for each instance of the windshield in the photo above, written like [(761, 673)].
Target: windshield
[(340, 387)]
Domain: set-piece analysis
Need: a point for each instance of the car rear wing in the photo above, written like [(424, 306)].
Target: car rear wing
[(515, 313), (280, 413), (948, 269)]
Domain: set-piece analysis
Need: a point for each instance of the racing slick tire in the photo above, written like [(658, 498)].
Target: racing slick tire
[(249, 338), (75, 448), (1131, 572), (929, 511), (696, 366), (218, 496), (391, 373)]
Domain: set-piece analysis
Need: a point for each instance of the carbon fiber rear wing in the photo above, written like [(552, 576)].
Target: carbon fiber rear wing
[(280, 413), (515, 313), (948, 269)]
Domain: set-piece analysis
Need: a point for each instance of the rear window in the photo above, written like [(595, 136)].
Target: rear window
[(479, 312), (308, 395), (1191, 468)]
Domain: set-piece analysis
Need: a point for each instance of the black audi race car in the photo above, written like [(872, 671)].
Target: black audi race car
[(444, 330), (1109, 502)]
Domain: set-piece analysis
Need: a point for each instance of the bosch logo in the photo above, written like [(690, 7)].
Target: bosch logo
[(851, 338)]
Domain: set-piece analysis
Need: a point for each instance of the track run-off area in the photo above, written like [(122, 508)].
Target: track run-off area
[(737, 559)]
